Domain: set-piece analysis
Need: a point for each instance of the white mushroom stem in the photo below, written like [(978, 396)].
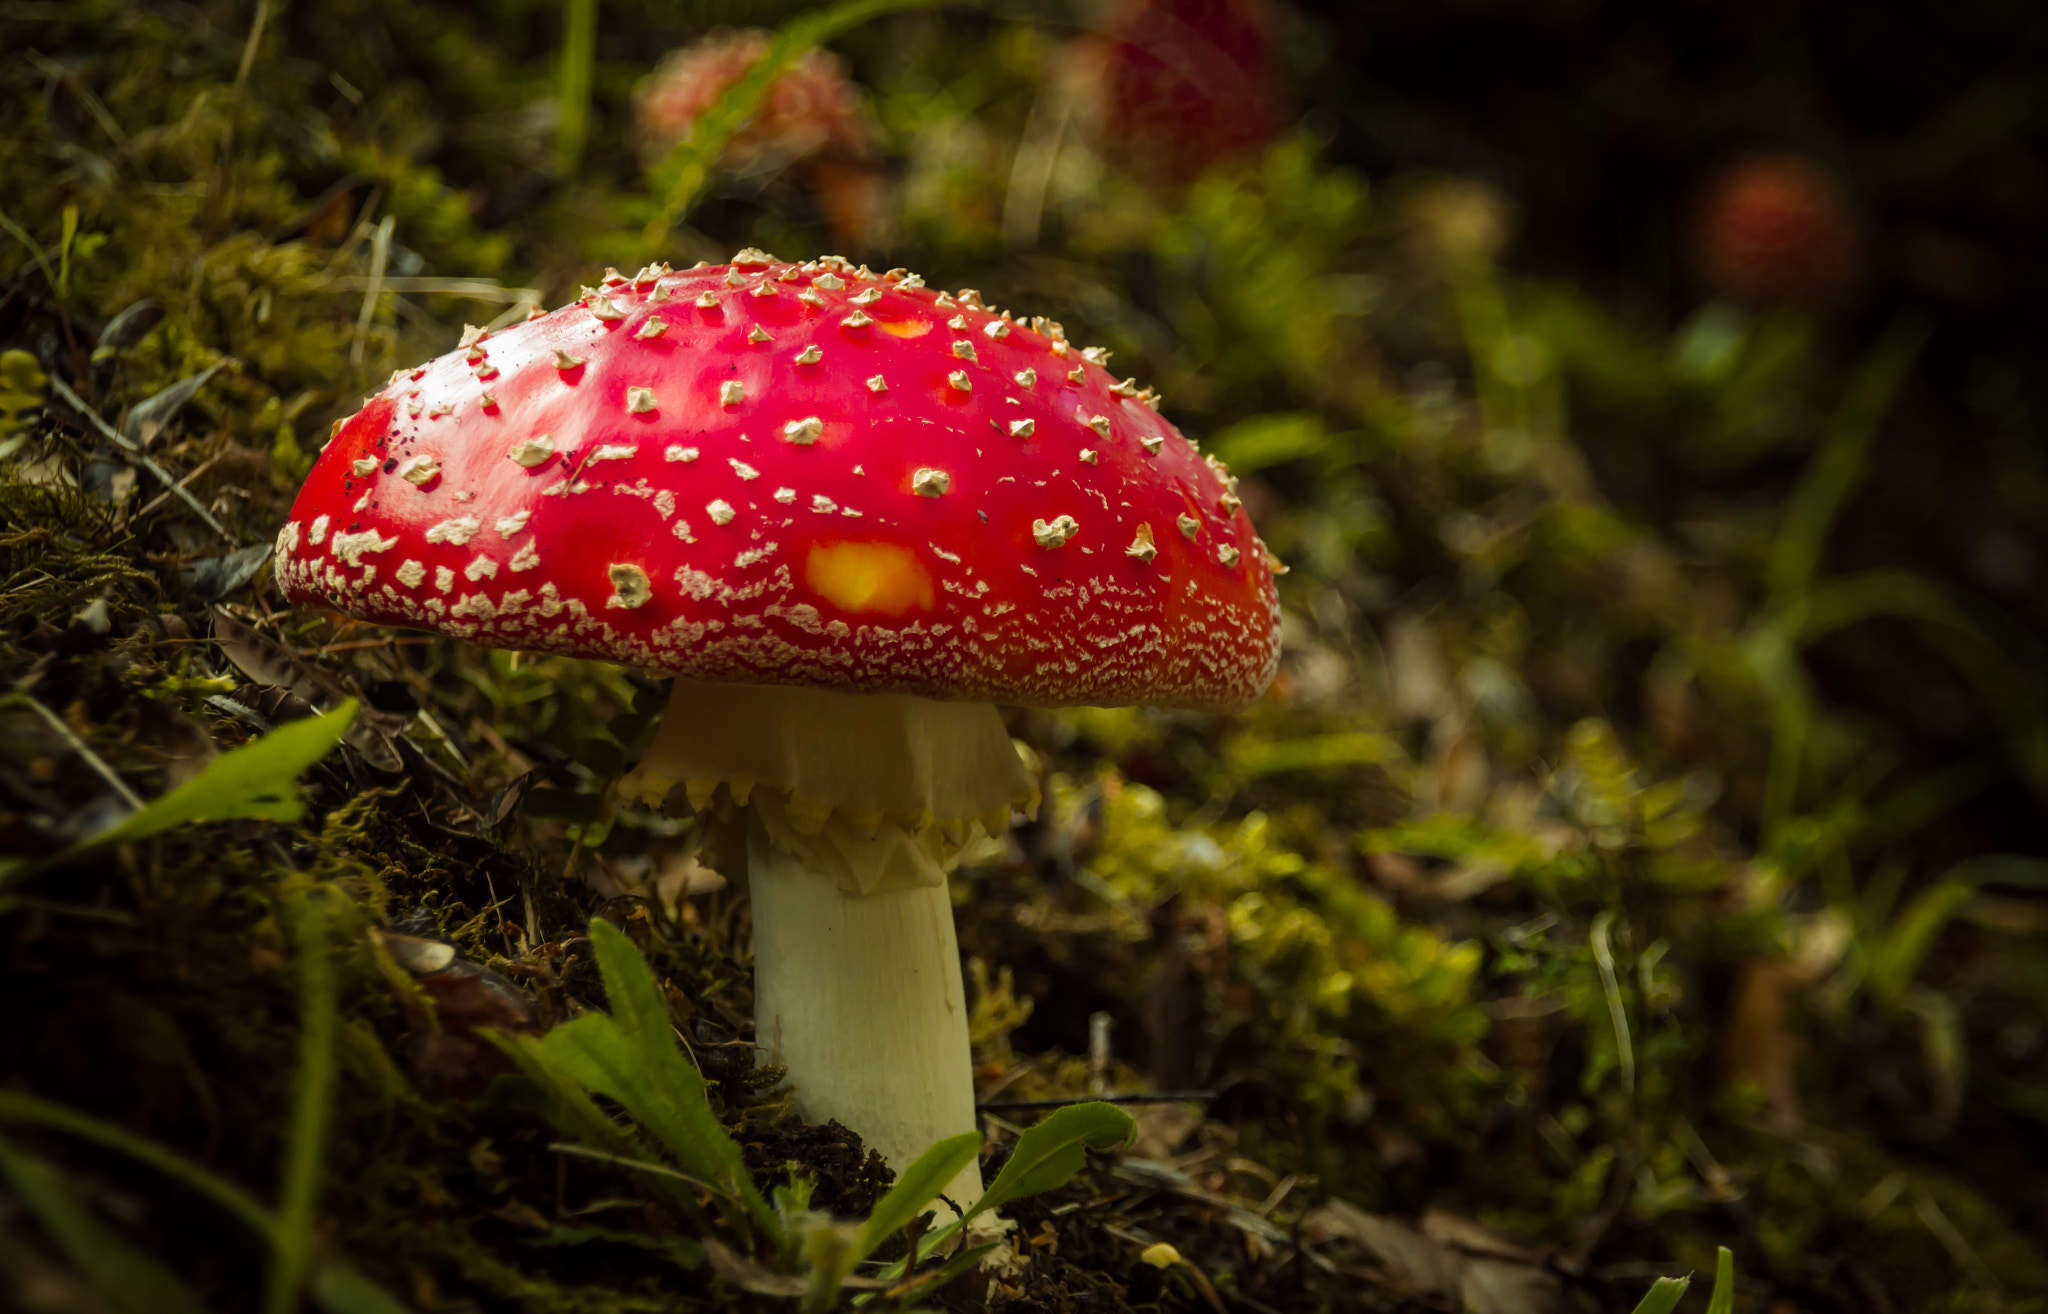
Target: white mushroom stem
[(860, 997), (856, 807)]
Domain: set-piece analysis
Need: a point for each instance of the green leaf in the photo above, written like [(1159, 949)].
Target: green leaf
[(1663, 1296), (630, 1055), (1049, 1154), (335, 1286), (130, 1277), (1723, 1299), (257, 781), (916, 1187)]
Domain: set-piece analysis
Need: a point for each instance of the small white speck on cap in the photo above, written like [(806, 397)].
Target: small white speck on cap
[(764, 288), (534, 311), (1227, 555), (790, 275), (785, 495), (822, 504), (1023, 428), (471, 334), (720, 511), (1128, 388), (909, 280), (474, 356), (532, 451), (752, 257), (859, 319), (482, 567), (732, 392), (964, 350), (639, 401), (420, 471), (706, 301), (757, 334), (439, 409), (1099, 423), (742, 469), (612, 275), (928, 482), (1189, 525), (830, 282), (486, 372), (959, 379), (610, 452), (487, 400), (867, 298), (365, 465), (809, 296), (734, 278), (652, 328), (1095, 356), (1055, 532), (606, 309), (630, 585), (410, 573), (810, 355), (877, 383), (444, 578), (526, 558), (1141, 545), (958, 323), (970, 298), (1230, 502), (997, 329), (1151, 442), (1027, 378), (680, 454), (1088, 456), (804, 432), (564, 361), (507, 526)]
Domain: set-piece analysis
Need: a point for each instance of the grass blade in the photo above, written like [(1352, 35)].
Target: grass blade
[(129, 1276), (1663, 1296), (336, 1287), (1838, 466), (1723, 1299), (689, 166), (306, 1137)]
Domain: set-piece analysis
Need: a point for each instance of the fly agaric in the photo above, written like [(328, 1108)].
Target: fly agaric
[(849, 514)]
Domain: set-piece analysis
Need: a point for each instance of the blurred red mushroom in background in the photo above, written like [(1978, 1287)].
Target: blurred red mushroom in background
[(1175, 86), (1777, 230), (812, 123)]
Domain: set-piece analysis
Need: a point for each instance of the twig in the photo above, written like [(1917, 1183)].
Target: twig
[(163, 497), (142, 458), (84, 751)]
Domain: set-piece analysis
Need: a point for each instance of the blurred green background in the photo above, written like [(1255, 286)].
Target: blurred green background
[(1641, 850)]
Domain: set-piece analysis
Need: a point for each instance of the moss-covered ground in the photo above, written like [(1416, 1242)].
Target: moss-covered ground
[(1640, 851)]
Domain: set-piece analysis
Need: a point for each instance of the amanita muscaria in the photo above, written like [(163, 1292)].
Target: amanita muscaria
[(849, 514)]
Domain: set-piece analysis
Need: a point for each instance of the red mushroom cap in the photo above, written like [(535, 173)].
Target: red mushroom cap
[(795, 474)]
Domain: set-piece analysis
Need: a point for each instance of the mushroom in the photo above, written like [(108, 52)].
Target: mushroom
[(850, 514)]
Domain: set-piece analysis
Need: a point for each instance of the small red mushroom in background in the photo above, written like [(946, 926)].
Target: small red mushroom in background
[(849, 513), (1175, 86), (1777, 230), (812, 122)]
